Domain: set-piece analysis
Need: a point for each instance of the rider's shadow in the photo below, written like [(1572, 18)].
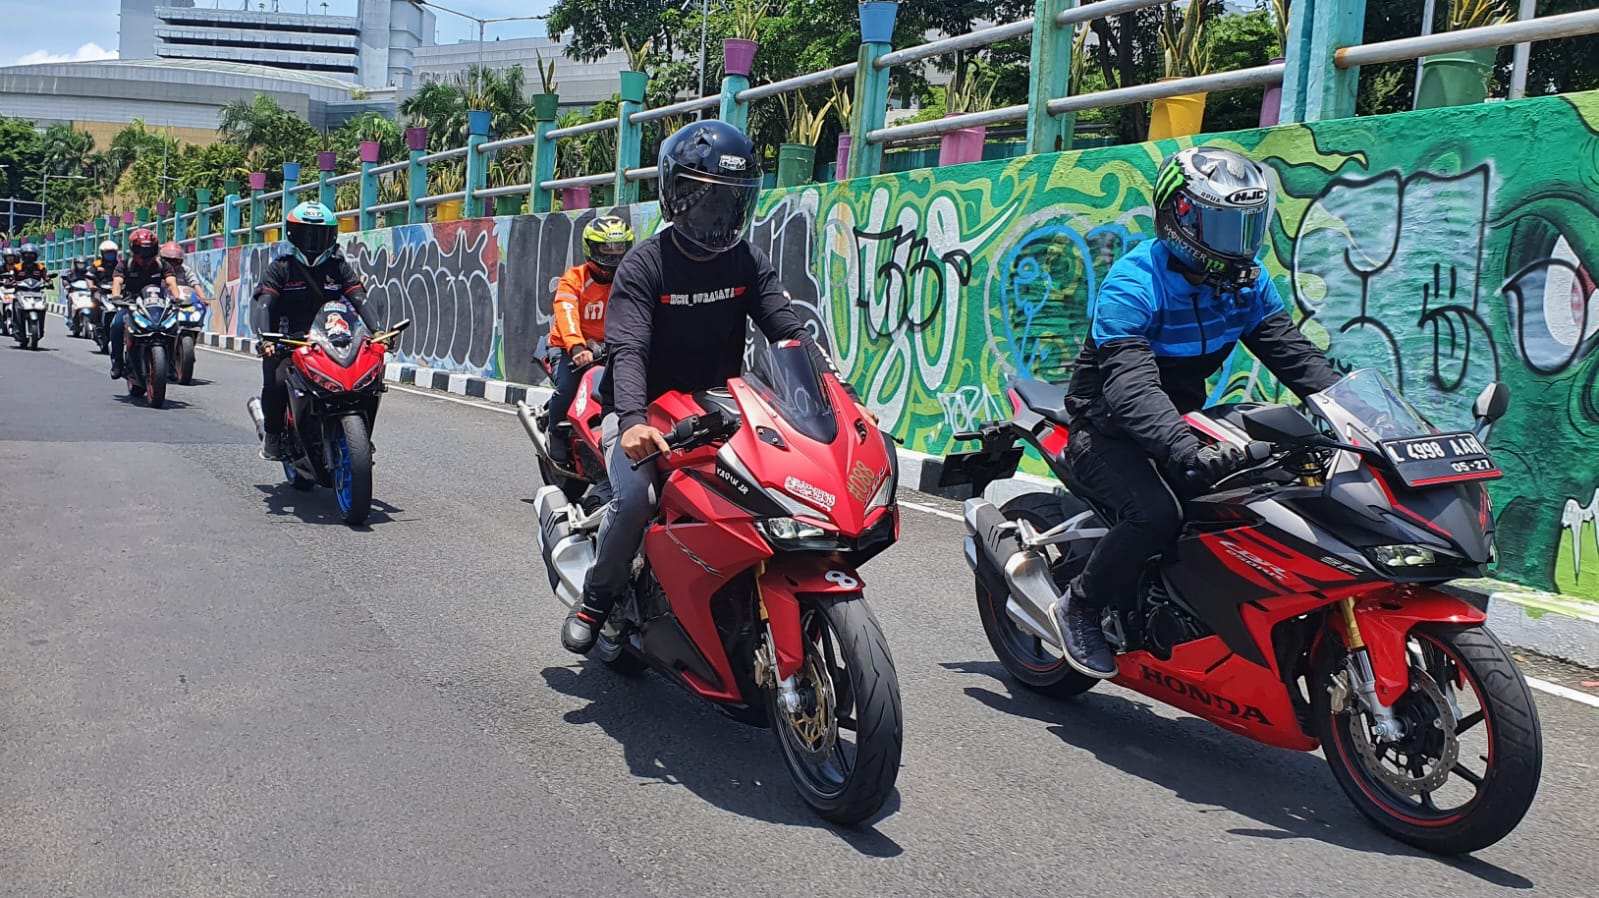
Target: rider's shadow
[(1292, 794), (318, 506), (139, 400), (669, 737)]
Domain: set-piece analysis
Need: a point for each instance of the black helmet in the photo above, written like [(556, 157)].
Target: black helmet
[(30, 253), (1212, 210), (710, 179)]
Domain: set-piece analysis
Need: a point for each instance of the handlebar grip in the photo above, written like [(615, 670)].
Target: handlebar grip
[(1257, 451), (967, 436)]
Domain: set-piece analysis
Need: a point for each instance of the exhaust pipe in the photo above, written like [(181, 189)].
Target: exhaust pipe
[(992, 543), (567, 556), (525, 414), (253, 406)]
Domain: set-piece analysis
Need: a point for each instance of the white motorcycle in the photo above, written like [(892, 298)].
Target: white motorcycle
[(80, 309), (27, 313), (7, 296)]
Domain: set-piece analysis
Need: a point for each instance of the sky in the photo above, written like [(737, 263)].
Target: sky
[(87, 29)]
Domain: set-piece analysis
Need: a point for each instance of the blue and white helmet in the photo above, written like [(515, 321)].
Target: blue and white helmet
[(1213, 208), (313, 231)]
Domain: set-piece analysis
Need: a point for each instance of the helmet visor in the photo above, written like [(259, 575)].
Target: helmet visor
[(1229, 233), (607, 255), (312, 240), (144, 251), (713, 212)]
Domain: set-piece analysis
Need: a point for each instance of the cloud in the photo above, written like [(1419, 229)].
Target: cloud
[(85, 53)]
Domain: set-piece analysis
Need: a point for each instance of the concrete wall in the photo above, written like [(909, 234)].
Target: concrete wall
[(1450, 248)]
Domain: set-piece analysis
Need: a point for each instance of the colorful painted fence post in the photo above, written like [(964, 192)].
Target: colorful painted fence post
[(203, 220), (1051, 65), (257, 207), (871, 87), (416, 184), (230, 213), (291, 180), (477, 164), (629, 137), (539, 199), (325, 192), (369, 183), (1313, 88)]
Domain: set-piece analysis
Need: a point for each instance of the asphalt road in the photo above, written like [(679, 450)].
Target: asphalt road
[(212, 688)]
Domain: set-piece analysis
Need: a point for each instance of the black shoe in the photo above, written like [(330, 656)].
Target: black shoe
[(272, 447), (581, 629), (116, 371), (560, 450), (1082, 635)]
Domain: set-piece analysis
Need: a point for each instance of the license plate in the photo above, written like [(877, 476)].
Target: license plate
[(1439, 459)]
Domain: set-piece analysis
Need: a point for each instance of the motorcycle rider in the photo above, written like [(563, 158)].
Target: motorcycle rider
[(172, 256), (103, 267), (140, 269), (29, 266), (1167, 316), (292, 289), (680, 306), (580, 299), (8, 283)]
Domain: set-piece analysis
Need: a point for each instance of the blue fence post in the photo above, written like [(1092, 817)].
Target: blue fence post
[(629, 140), (732, 111), (871, 88), (477, 164), (539, 199), (1313, 88), (291, 180), (180, 220), (257, 208), (1052, 65), (230, 216), (202, 218), (416, 185), (325, 192), (369, 183)]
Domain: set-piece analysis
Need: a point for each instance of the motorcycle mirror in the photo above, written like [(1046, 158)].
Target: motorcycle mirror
[(1279, 424), (1492, 403)]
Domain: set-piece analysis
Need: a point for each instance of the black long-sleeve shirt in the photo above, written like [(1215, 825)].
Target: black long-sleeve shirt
[(285, 302), (137, 275), (675, 323)]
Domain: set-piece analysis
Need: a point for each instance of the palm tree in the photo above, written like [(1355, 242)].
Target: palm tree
[(440, 107)]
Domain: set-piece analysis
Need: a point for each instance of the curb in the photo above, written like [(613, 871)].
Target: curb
[(1551, 625)]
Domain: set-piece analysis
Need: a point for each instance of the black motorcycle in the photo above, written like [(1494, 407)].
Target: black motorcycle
[(151, 335)]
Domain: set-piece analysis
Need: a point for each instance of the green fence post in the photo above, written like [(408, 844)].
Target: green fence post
[(257, 207), (629, 140), (181, 219), (871, 88), (539, 199), (202, 218), (230, 214), (162, 232), (1313, 88), (734, 112), (369, 183), (326, 193), (416, 186), (291, 180), (1052, 65), (477, 164)]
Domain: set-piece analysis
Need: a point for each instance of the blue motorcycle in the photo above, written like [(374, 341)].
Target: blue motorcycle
[(151, 337)]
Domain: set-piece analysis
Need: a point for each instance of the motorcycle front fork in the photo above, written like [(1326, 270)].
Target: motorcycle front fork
[(1362, 681)]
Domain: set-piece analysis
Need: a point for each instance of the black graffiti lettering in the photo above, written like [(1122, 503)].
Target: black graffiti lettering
[(910, 281), (449, 296)]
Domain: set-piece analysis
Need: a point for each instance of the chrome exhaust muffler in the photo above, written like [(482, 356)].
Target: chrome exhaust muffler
[(993, 541), (567, 555)]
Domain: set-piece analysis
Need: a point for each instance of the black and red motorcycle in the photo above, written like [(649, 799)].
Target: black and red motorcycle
[(335, 383), (1302, 603)]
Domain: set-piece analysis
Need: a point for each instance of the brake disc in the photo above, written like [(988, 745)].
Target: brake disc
[(1426, 692)]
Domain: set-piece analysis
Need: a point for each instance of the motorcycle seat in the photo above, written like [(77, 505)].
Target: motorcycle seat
[(1047, 399)]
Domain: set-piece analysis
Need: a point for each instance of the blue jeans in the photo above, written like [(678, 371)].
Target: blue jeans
[(119, 327), (634, 499), (566, 381)]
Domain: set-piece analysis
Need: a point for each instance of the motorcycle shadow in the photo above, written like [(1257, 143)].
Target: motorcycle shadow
[(317, 506), (1291, 794), (668, 737), (122, 396)]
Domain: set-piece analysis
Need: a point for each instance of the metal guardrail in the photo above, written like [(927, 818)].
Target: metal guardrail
[(936, 127), (520, 140), (507, 190), (442, 198), (789, 85), (980, 38), (579, 181), (604, 124), (644, 174), (391, 167), (678, 108), (1571, 24), (1103, 9), (442, 155), (1139, 93)]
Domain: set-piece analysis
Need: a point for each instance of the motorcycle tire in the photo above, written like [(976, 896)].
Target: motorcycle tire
[(864, 693), (351, 462), (34, 335), (1025, 658), (155, 375), (186, 361), (1514, 754)]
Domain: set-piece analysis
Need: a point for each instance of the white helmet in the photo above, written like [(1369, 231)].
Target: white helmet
[(110, 246)]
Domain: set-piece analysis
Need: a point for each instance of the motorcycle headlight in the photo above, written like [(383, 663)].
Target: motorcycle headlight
[(1403, 555), (790, 534)]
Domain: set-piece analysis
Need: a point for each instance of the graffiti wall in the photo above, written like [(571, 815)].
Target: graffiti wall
[(1450, 248)]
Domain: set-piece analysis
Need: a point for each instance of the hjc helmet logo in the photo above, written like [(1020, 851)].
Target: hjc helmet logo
[(1249, 196)]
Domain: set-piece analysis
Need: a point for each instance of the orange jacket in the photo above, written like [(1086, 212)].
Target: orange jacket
[(579, 309)]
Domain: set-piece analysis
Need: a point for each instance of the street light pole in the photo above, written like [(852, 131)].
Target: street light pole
[(482, 23)]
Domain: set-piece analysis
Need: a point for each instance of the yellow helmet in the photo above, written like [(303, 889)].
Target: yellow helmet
[(606, 240)]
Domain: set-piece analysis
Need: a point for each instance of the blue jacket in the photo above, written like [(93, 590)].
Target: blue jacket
[(1155, 338)]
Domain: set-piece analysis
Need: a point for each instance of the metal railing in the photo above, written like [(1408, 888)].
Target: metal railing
[(225, 220)]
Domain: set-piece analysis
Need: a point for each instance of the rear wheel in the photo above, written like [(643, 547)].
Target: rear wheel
[(186, 360), (842, 746), (352, 469), (1029, 660), (155, 376), (1467, 767)]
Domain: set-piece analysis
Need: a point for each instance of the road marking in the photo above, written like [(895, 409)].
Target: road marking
[(928, 509), (435, 394), (1565, 692)]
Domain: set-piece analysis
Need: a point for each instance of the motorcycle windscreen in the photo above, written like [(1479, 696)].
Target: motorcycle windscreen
[(1372, 405), (786, 377), (339, 331)]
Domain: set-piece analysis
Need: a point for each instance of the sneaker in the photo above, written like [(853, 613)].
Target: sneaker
[(1082, 636), (116, 370), (581, 629), (272, 447)]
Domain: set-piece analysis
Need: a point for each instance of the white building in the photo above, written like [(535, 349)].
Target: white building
[(578, 83)]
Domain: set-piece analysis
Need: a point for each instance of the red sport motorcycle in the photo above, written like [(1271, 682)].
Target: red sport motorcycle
[(335, 381), (580, 429), (1301, 605), (747, 591)]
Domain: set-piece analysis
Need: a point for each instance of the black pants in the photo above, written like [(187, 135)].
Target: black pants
[(1118, 475), (274, 390)]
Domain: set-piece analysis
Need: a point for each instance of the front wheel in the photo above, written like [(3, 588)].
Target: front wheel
[(35, 332), (842, 745), (185, 360), (155, 376), (1026, 658), (351, 462), (1467, 767)]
